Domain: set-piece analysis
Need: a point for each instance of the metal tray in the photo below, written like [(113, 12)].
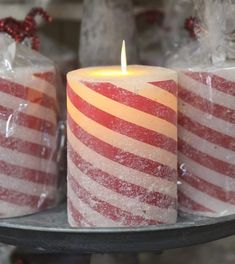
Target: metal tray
[(49, 231)]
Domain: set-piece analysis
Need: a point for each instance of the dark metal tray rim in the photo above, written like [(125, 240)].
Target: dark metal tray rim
[(198, 222)]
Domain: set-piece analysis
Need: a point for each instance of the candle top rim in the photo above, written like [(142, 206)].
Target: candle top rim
[(114, 72)]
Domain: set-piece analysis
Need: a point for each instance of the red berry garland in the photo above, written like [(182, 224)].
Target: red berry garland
[(20, 30), (191, 25)]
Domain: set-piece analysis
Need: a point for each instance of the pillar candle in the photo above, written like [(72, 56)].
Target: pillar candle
[(28, 123), (207, 141), (122, 142)]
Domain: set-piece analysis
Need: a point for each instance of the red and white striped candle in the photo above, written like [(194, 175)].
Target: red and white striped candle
[(207, 142), (122, 143), (28, 118)]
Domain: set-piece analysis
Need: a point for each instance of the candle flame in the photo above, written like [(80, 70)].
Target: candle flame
[(123, 58)]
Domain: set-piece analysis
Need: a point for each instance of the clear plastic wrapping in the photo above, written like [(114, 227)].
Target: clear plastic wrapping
[(206, 130), (206, 119), (29, 131)]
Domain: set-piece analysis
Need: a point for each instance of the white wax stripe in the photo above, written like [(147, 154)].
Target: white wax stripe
[(92, 216), (132, 205), (12, 210), (206, 119), (122, 111), (206, 200), (27, 134), (73, 222), (121, 172), (34, 82), (28, 161), (26, 187), (139, 87), (205, 91), (76, 223), (227, 74), (197, 212), (20, 105), (207, 147), (123, 142), (218, 179)]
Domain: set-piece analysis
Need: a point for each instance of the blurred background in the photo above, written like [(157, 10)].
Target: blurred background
[(153, 26), (159, 31)]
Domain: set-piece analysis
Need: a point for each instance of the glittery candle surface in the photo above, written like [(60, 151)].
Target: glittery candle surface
[(122, 142), (206, 126)]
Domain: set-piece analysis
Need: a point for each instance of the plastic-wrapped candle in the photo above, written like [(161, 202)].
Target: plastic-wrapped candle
[(122, 142), (28, 130), (207, 141), (206, 119)]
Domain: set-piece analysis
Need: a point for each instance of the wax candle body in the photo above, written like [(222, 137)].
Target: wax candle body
[(28, 118), (207, 141), (122, 141)]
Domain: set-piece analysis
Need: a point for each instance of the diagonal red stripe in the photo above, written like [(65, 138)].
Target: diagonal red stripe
[(202, 104), (118, 155), (214, 81), (133, 100), (50, 77), (77, 216), (208, 187), (206, 133), (121, 126), (22, 199), (168, 85), (27, 93), (26, 147), (206, 160), (106, 209), (27, 174), (120, 186), (188, 203), (27, 120)]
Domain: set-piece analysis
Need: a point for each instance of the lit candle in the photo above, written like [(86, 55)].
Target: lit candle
[(122, 141)]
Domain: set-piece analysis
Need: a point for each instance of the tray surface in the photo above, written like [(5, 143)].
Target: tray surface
[(50, 231)]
